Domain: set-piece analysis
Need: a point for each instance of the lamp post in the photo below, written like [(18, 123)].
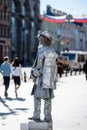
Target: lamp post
[(58, 37), (69, 17)]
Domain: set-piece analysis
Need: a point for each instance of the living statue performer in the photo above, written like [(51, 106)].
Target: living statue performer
[(44, 75)]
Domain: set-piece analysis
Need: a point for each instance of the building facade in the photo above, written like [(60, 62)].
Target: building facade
[(20, 22), (5, 40), (24, 26), (68, 35)]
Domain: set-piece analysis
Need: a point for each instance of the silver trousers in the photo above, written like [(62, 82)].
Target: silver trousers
[(37, 108)]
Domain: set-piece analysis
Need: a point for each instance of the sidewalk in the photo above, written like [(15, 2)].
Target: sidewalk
[(69, 105)]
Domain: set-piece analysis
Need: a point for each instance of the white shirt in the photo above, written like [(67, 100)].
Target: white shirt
[(16, 71)]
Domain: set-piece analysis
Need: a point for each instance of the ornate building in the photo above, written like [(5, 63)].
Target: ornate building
[(24, 26), (68, 35), (19, 24), (5, 41)]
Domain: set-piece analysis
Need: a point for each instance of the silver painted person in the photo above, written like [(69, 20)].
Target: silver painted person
[(45, 77)]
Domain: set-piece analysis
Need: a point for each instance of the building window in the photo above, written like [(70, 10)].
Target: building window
[(1, 31), (4, 32), (4, 14), (1, 2), (8, 32), (1, 14)]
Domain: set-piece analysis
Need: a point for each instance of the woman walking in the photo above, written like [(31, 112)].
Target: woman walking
[(17, 74)]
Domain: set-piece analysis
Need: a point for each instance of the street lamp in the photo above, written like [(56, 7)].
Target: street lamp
[(59, 37), (69, 17)]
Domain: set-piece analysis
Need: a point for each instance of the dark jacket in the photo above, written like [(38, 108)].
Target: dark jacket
[(85, 67)]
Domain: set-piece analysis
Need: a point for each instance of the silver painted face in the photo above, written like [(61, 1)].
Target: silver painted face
[(40, 38)]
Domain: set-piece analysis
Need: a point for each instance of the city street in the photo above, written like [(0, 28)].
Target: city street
[(69, 107)]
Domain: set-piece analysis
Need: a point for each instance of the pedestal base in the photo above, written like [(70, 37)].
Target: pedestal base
[(37, 126), (40, 126)]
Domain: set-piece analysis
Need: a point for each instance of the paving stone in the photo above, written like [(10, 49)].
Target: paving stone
[(24, 126)]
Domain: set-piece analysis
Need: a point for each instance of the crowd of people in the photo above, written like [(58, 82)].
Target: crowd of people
[(11, 70)]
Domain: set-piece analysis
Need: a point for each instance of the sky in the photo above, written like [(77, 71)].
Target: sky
[(73, 7)]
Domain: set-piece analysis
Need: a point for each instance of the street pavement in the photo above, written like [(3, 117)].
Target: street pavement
[(69, 107)]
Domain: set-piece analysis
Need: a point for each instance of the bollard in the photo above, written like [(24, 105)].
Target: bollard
[(75, 72), (79, 71), (71, 72), (25, 77)]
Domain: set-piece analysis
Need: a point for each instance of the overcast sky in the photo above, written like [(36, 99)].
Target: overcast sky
[(74, 7)]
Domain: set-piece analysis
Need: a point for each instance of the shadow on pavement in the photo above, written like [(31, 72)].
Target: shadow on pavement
[(19, 99), (11, 111), (7, 113), (22, 109), (9, 98)]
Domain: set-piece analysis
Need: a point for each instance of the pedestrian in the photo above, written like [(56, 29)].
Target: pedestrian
[(60, 67), (85, 69), (5, 69), (16, 74), (44, 75)]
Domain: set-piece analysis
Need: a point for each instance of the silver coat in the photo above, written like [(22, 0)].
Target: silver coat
[(44, 72)]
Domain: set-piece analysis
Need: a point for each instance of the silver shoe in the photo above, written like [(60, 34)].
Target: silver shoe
[(35, 119)]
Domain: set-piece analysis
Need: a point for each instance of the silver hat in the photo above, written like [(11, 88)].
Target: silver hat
[(46, 35)]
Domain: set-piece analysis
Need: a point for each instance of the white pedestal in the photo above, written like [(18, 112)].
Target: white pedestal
[(37, 126), (40, 126)]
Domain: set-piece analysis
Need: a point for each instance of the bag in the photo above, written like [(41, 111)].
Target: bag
[(35, 73)]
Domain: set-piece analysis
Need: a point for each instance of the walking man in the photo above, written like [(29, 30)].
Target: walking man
[(5, 69), (44, 75)]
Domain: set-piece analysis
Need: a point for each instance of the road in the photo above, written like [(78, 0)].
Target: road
[(69, 107)]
